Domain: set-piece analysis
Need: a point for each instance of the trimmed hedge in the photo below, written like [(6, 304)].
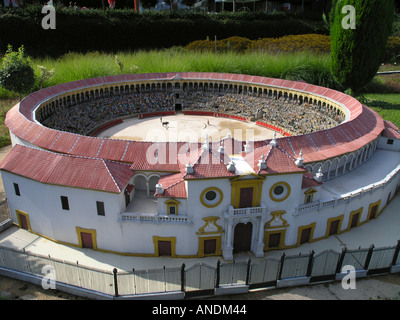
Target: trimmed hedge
[(123, 30), (313, 43)]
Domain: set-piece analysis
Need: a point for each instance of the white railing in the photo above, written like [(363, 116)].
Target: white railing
[(346, 198), (138, 218), (251, 211)]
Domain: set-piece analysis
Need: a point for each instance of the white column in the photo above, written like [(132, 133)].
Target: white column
[(227, 251), (259, 252)]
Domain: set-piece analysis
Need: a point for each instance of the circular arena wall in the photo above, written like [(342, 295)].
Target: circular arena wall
[(356, 136)]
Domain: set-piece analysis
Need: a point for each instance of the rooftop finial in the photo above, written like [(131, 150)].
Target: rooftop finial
[(261, 163), (318, 176), (274, 142), (300, 160), (231, 166)]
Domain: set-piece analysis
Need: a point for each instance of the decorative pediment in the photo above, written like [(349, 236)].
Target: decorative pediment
[(277, 221), (211, 226)]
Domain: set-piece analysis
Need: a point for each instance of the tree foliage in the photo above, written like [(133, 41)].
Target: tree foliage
[(16, 73), (357, 53)]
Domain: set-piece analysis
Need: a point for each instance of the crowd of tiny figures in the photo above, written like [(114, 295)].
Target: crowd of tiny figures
[(292, 115)]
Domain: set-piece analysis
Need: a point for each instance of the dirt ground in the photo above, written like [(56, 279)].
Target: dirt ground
[(186, 128), (11, 289)]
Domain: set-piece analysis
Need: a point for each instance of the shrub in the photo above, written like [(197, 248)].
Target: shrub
[(313, 43), (16, 74)]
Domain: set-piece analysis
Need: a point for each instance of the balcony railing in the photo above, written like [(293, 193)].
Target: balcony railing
[(251, 211), (138, 218)]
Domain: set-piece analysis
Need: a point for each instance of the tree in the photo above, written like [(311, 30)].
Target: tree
[(356, 54), (16, 73)]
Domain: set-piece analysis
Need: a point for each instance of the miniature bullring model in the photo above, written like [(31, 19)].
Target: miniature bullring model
[(194, 199)]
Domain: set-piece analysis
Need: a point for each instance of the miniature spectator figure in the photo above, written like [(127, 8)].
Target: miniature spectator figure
[(111, 4)]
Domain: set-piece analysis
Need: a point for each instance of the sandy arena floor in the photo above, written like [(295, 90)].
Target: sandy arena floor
[(186, 128)]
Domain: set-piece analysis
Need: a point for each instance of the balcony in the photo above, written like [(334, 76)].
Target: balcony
[(247, 212), (156, 219)]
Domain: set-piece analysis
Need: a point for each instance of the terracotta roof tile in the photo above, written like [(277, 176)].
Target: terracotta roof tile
[(79, 172), (277, 161), (173, 185)]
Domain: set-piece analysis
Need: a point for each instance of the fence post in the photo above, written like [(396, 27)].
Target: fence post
[(310, 263), (281, 268), (115, 271), (248, 272), (340, 262), (183, 277), (218, 274), (369, 256), (396, 253)]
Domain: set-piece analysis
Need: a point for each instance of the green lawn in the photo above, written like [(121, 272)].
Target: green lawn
[(393, 98)]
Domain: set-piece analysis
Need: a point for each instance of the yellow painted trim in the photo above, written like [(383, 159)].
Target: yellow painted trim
[(217, 190), (172, 203), (91, 231), (275, 216), (19, 213), (300, 230), (170, 239), (210, 221), (309, 192), (271, 191), (329, 224), (352, 214), (281, 242), (218, 250), (378, 203), (256, 184)]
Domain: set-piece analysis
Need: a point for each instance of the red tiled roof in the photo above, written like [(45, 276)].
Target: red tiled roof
[(390, 131), (173, 185), (363, 125), (276, 159), (206, 164), (65, 170)]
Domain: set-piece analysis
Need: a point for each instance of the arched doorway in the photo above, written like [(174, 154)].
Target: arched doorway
[(242, 237)]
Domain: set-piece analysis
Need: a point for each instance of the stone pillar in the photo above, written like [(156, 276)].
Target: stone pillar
[(259, 252), (227, 251)]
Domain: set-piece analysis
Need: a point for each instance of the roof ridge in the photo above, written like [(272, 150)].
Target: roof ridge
[(175, 183), (112, 177)]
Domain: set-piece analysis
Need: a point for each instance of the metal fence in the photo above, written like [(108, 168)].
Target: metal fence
[(201, 279)]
